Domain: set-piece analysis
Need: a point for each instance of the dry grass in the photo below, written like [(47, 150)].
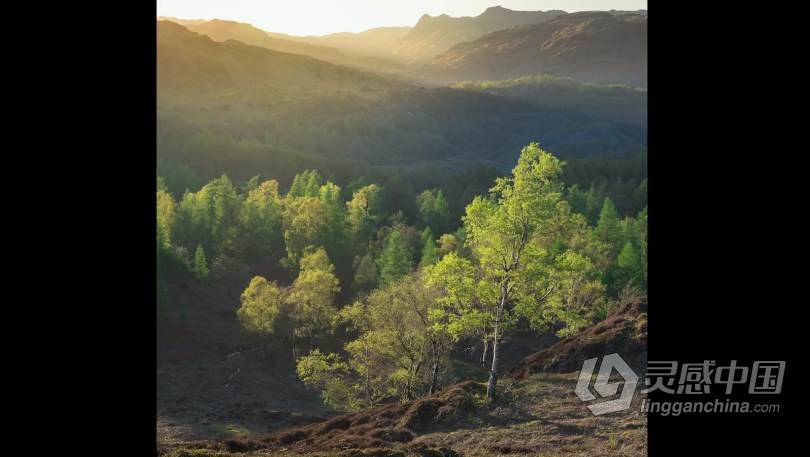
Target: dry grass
[(536, 416), (623, 332), (536, 413), (541, 415)]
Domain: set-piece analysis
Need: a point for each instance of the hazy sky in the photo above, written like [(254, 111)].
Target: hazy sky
[(319, 17)]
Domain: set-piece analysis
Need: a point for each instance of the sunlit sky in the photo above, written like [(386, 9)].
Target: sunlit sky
[(320, 17)]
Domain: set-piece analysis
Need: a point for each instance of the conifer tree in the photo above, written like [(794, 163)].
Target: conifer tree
[(395, 259), (200, 266), (430, 253)]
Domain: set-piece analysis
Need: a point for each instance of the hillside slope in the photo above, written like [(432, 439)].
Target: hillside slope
[(222, 30), (433, 35), (592, 47), (537, 411), (242, 109), (623, 332), (187, 60), (379, 41)]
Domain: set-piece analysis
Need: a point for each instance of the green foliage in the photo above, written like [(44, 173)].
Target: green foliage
[(447, 244), (430, 253), (397, 353), (327, 373), (260, 221), (178, 177), (630, 265), (365, 274), (161, 184), (252, 183), (313, 293), (336, 240), (201, 271), (626, 240), (262, 304), (209, 217), (306, 184), (364, 212), (607, 229), (395, 260), (523, 267), (165, 216), (524, 252), (462, 308), (434, 211), (622, 178), (306, 223), (577, 296)]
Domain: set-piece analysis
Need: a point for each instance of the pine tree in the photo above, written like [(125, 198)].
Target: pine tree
[(434, 211), (607, 229), (631, 267), (441, 211), (200, 265), (430, 253), (395, 260), (297, 187), (313, 184)]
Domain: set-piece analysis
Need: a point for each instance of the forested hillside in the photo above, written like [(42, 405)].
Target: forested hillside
[(590, 47), (234, 108), (336, 242), (356, 244)]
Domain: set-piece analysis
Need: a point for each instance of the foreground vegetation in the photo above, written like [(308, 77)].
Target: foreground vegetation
[(404, 295), (536, 416)]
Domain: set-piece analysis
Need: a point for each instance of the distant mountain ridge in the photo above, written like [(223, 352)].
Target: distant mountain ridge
[(603, 47), (191, 61), (592, 47), (246, 109), (223, 30), (378, 41), (434, 35), (431, 36), (183, 22)]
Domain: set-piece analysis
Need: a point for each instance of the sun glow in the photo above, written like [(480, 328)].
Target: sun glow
[(320, 17)]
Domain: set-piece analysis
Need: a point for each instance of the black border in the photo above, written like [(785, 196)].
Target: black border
[(725, 229)]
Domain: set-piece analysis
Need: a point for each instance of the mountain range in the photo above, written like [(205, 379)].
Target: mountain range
[(599, 47), (228, 105), (222, 30), (592, 47), (191, 62), (432, 36)]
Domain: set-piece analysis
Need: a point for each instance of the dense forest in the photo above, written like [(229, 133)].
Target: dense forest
[(405, 287)]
